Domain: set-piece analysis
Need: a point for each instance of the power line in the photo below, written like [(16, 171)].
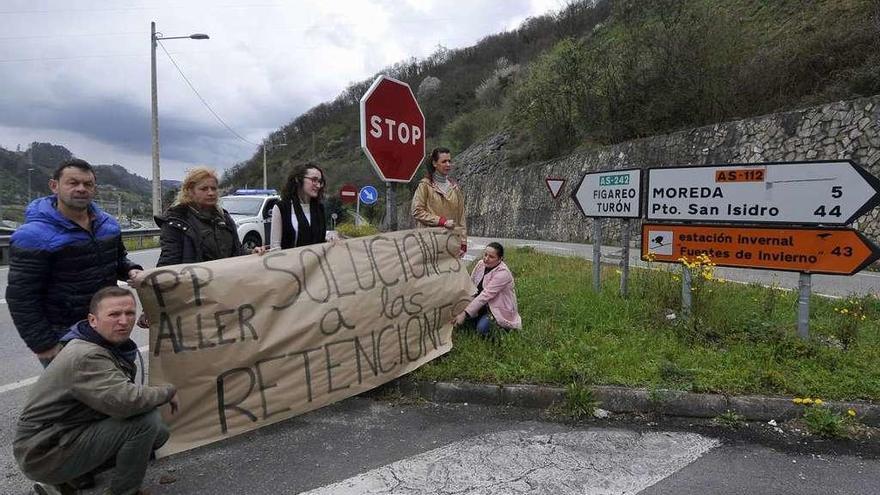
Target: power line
[(72, 35), (222, 122)]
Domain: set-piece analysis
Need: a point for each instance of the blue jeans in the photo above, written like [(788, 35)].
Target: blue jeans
[(482, 323)]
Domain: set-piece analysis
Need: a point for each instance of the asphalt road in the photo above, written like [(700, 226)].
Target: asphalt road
[(367, 446)]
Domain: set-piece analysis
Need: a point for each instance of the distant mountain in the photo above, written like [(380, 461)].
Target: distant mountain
[(119, 191)]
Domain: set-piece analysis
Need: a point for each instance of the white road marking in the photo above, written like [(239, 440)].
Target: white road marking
[(591, 462), (27, 382)]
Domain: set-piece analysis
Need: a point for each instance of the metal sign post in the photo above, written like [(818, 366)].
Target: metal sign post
[(609, 194), (390, 208), (804, 289), (624, 259), (686, 292), (597, 254)]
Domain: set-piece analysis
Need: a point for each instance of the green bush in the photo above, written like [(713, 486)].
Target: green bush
[(352, 230), (555, 98)]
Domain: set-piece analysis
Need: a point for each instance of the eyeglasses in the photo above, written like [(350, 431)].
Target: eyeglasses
[(315, 180)]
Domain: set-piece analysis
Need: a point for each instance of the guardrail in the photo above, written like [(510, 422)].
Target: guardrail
[(139, 234)]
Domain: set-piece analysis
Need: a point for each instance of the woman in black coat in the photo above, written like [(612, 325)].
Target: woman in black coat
[(298, 219), (196, 228)]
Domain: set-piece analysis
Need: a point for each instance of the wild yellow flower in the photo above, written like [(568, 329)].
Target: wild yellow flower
[(808, 400), (818, 402), (798, 400), (851, 412)]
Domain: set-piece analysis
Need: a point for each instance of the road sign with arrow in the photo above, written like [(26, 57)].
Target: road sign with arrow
[(610, 194), (831, 251), (805, 193), (368, 195)]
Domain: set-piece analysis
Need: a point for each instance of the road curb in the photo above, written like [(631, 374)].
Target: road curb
[(629, 400)]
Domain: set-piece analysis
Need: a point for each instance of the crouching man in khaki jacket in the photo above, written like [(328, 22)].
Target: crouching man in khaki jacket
[(85, 411)]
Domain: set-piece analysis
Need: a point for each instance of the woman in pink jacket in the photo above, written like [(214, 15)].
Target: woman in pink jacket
[(496, 298)]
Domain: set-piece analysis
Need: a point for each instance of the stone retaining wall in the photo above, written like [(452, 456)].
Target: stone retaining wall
[(513, 202)]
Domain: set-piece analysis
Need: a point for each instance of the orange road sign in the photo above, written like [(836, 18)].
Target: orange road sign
[(830, 251)]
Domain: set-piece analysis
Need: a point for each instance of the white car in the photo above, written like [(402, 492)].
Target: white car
[(252, 211)]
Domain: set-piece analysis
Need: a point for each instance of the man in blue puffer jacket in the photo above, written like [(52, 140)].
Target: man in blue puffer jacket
[(64, 253)]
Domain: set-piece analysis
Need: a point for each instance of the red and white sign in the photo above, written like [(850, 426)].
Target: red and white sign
[(392, 129), (555, 185), (348, 193)]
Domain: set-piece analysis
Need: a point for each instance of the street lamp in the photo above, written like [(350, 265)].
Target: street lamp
[(270, 145), (29, 184), (154, 40)]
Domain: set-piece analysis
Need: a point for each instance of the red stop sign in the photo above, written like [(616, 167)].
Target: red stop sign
[(348, 193), (392, 129)]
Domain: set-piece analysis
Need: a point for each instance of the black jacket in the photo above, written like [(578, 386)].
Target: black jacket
[(56, 266), (180, 238)]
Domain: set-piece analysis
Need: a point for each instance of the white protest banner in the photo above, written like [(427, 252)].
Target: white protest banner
[(253, 340)]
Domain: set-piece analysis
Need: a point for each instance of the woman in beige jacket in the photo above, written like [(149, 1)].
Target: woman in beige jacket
[(438, 200)]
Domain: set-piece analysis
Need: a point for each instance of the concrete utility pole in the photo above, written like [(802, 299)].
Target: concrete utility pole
[(269, 145), (154, 109)]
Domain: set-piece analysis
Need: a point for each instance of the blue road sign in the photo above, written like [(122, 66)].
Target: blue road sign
[(368, 195)]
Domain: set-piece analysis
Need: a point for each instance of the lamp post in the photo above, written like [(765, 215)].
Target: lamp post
[(154, 40), (29, 184), (269, 145)]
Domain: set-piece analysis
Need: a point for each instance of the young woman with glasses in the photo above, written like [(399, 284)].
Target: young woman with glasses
[(298, 219)]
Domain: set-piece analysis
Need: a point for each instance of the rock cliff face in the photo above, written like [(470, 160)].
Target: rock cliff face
[(514, 202)]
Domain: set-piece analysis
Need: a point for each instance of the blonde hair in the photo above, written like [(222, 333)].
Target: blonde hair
[(193, 177)]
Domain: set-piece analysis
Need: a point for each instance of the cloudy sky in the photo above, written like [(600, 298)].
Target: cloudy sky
[(77, 72)]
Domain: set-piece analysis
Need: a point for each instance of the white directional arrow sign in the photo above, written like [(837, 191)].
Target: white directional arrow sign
[(554, 185), (806, 193), (611, 193), (368, 195)]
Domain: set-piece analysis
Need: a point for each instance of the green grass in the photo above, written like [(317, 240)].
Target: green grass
[(741, 340)]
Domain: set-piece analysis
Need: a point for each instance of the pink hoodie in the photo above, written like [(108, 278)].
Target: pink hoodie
[(498, 293)]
